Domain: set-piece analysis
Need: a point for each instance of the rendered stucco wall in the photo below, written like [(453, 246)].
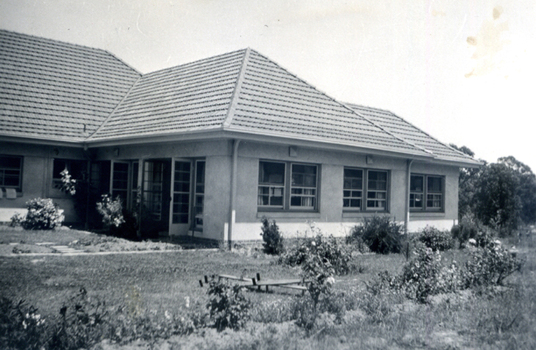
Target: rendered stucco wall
[(37, 171), (331, 218)]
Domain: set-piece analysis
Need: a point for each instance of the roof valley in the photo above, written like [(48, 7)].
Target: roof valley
[(115, 108)]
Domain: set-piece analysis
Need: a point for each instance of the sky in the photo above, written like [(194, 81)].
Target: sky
[(463, 71)]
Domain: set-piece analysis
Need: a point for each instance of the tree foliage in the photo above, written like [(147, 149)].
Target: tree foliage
[(501, 195)]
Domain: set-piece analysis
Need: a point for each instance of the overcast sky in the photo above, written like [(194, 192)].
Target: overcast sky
[(462, 70)]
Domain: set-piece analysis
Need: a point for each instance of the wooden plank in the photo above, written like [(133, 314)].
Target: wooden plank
[(278, 282)]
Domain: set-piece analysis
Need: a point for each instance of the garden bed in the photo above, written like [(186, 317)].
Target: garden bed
[(162, 290)]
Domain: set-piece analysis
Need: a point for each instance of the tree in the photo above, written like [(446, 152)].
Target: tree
[(467, 186), (497, 201), (526, 189)]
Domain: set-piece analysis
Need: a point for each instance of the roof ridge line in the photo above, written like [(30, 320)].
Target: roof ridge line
[(234, 98), (387, 131), (115, 108)]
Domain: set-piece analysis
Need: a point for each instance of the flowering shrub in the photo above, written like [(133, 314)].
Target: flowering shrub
[(380, 234), (273, 240), (328, 248), (435, 239), (21, 327), (68, 184), (489, 266), (111, 211), (425, 275), (228, 307), (43, 214)]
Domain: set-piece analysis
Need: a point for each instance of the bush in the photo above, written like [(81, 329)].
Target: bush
[(489, 266), (43, 214), (380, 234), (328, 249), (83, 323), (435, 239), (228, 307), (111, 211), (20, 325), (273, 240), (425, 275), (465, 230)]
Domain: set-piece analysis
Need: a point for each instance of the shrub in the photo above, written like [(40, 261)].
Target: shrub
[(435, 239), (83, 322), (21, 327), (111, 211), (273, 240), (425, 275), (380, 234), (43, 214), (328, 249), (228, 307), (489, 266), (465, 230)]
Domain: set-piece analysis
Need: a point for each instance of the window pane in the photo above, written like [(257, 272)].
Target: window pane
[(271, 173), (435, 184), (417, 183)]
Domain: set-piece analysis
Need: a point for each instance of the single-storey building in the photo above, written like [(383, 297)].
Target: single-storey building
[(206, 149)]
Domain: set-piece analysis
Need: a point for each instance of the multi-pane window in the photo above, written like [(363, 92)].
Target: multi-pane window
[(303, 186), (76, 168), (199, 194), (365, 189), (271, 184), (181, 192), (376, 190), (287, 186), (426, 192), (11, 172), (353, 188)]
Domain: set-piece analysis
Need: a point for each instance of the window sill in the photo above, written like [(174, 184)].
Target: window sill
[(288, 214), (417, 214)]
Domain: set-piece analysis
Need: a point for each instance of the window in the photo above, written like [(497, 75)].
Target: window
[(281, 189), (377, 190), (365, 190), (11, 172), (353, 188), (271, 184), (199, 195), (77, 169), (426, 193)]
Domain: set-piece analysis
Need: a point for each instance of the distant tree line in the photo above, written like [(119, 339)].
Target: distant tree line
[(501, 195)]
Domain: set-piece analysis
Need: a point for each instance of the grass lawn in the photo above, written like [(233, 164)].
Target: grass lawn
[(158, 282)]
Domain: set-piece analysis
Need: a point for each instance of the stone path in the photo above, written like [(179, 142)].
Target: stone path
[(65, 249)]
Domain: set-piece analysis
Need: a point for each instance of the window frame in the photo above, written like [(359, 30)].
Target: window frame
[(288, 186), (17, 188), (68, 165), (364, 208), (426, 192)]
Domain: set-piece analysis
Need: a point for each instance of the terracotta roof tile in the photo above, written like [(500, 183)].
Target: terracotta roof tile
[(55, 90), (407, 131)]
